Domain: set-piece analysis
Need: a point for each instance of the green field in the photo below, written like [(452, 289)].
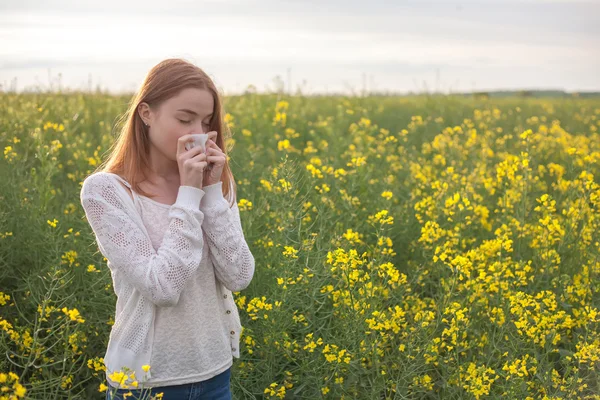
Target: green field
[(427, 247)]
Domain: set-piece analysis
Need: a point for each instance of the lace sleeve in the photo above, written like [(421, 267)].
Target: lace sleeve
[(229, 252), (159, 275)]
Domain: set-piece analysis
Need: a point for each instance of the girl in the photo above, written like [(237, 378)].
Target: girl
[(167, 222)]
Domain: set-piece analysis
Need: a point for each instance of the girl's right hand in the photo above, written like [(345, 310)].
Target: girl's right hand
[(191, 163)]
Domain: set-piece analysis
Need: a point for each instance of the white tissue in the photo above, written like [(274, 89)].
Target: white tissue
[(199, 140)]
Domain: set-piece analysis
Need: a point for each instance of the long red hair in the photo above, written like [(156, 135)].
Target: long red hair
[(128, 155)]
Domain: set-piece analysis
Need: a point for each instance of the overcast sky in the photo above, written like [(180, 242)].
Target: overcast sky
[(324, 46)]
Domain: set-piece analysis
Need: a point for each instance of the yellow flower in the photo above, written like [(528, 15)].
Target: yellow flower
[(283, 145), (73, 314), (19, 390), (382, 218), (357, 162), (244, 205), (118, 376), (387, 195), (290, 252), (365, 122), (229, 120), (9, 154), (92, 268)]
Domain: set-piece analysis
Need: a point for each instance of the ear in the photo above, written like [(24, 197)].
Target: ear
[(145, 114)]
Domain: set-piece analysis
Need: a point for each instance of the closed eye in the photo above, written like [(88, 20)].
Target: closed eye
[(188, 122)]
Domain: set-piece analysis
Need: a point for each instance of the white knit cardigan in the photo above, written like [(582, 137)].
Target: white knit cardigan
[(144, 278)]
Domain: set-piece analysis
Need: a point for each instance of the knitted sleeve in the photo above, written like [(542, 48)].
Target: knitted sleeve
[(160, 275), (229, 252)]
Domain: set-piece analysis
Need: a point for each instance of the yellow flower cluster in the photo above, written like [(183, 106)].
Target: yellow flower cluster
[(10, 387)]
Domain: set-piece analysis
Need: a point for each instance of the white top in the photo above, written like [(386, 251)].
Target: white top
[(174, 268)]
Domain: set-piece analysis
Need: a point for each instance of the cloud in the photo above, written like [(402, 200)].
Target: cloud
[(318, 40)]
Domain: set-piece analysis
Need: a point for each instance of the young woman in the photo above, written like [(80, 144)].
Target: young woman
[(166, 220)]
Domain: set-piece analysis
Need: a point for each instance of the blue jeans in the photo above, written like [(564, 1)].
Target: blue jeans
[(215, 388)]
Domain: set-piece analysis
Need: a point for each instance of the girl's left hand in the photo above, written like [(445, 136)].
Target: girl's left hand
[(216, 161)]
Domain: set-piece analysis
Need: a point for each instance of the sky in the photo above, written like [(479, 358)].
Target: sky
[(326, 46)]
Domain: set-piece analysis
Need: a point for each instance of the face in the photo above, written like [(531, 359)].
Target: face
[(188, 112)]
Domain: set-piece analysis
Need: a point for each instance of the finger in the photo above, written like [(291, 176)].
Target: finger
[(212, 135), (181, 143), (195, 150), (197, 158), (200, 154), (214, 158), (213, 145)]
